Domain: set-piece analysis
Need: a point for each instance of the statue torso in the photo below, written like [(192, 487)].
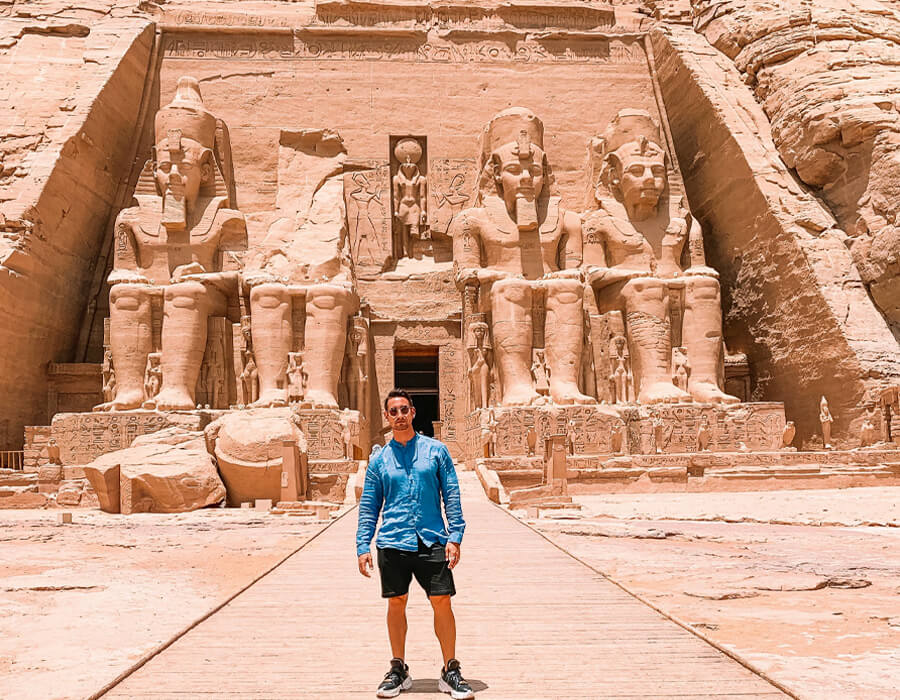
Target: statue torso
[(160, 251), (528, 253)]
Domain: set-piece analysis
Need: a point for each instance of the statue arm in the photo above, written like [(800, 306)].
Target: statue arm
[(126, 256), (395, 183), (696, 253)]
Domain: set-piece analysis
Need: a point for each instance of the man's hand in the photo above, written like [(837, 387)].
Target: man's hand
[(365, 564), (452, 550)]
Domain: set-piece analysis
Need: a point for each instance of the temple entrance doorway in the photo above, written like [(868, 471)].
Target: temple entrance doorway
[(416, 371)]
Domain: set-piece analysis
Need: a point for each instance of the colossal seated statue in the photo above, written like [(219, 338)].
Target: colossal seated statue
[(519, 250), (301, 283), (652, 252), (168, 252)]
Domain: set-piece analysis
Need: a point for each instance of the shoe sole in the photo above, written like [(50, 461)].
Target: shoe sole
[(405, 685), (455, 694)]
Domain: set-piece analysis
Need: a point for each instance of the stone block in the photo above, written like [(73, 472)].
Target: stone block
[(63, 518)]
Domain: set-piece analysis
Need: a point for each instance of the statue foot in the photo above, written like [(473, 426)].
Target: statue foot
[(709, 392), (270, 399), (320, 399), (568, 394), (520, 396), (174, 400), (124, 401), (662, 392)]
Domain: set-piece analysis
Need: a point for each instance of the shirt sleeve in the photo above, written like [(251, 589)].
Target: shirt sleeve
[(456, 526), (369, 507)]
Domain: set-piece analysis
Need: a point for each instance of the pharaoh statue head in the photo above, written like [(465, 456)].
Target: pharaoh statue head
[(187, 164), (634, 163), (513, 163)]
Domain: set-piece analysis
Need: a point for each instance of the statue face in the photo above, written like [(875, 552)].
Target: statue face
[(182, 169), (520, 178), (642, 179)]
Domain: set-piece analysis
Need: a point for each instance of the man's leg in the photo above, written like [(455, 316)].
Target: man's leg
[(444, 626), (396, 623)]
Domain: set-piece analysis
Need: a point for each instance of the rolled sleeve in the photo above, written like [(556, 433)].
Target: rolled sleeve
[(456, 526), (369, 508)]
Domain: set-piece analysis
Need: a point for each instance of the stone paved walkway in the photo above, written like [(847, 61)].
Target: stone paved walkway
[(533, 623)]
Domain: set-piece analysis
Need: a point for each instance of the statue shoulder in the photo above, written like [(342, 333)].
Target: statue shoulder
[(472, 218), (129, 217)]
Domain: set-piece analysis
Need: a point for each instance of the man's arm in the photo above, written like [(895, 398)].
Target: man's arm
[(369, 508), (450, 494)]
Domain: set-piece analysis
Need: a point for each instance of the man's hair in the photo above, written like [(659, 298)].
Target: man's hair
[(393, 393)]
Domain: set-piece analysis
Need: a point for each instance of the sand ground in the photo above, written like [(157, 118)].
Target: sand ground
[(791, 581)]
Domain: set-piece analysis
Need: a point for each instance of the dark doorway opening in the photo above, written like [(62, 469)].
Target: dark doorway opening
[(416, 371)]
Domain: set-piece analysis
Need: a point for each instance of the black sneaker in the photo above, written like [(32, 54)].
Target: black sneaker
[(452, 682), (395, 680)]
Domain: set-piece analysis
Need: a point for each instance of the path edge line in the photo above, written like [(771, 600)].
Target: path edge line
[(749, 665), (156, 651)]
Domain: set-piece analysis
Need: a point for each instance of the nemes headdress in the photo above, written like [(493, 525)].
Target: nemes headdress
[(515, 125), (187, 114), (633, 129)]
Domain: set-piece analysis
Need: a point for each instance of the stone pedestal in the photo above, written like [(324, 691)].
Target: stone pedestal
[(591, 429)]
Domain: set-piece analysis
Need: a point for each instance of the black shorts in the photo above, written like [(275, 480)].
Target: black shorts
[(428, 565)]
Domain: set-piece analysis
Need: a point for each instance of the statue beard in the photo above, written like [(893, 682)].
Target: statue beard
[(526, 211), (174, 206)]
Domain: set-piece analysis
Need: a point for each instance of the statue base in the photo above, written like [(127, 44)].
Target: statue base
[(594, 430)]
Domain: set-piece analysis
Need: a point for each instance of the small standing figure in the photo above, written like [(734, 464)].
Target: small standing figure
[(249, 378), (658, 431), (867, 435), (681, 370), (617, 438), (787, 436), (295, 377), (347, 434), (109, 386), (479, 368), (531, 440), (152, 379), (409, 195), (541, 373), (703, 434), (53, 455), (570, 436), (826, 419), (491, 436)]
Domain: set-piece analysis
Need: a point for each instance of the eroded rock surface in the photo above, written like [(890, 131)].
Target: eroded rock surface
[(169, 471)]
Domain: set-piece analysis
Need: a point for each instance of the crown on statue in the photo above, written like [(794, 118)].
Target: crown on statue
[(187, 115), (515, 125), (633, 126)]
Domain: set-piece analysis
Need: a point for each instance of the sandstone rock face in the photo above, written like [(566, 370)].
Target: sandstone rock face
[(788, 279), (170, 471), (826, 75), (248, 448), (70, 97)]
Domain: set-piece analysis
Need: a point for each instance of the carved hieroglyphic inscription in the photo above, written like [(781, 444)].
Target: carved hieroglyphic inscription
[(451, 389), (276, 47), (367, 195), (82, 437), (324, 432), (452, 182)]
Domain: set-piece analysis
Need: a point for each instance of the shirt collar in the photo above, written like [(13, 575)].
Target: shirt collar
[(411, 443)]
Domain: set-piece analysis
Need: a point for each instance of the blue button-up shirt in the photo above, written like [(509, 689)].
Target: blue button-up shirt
[(405, 484)]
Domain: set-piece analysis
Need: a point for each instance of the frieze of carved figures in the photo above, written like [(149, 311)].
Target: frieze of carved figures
[(367, 198), (514, 203), (451, 190), (638, 279), (184, 195)]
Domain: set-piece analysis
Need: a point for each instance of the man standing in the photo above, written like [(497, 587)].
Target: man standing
[(406, 482)]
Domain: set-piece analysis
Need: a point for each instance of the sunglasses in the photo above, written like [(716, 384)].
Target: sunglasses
[(402, 410)]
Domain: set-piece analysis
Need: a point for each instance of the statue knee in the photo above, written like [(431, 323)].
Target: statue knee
[(186, 295), (329, 296), (513, 291), (564, 291), (268, 296), (123, 297), (644, 290), (702, 289)]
